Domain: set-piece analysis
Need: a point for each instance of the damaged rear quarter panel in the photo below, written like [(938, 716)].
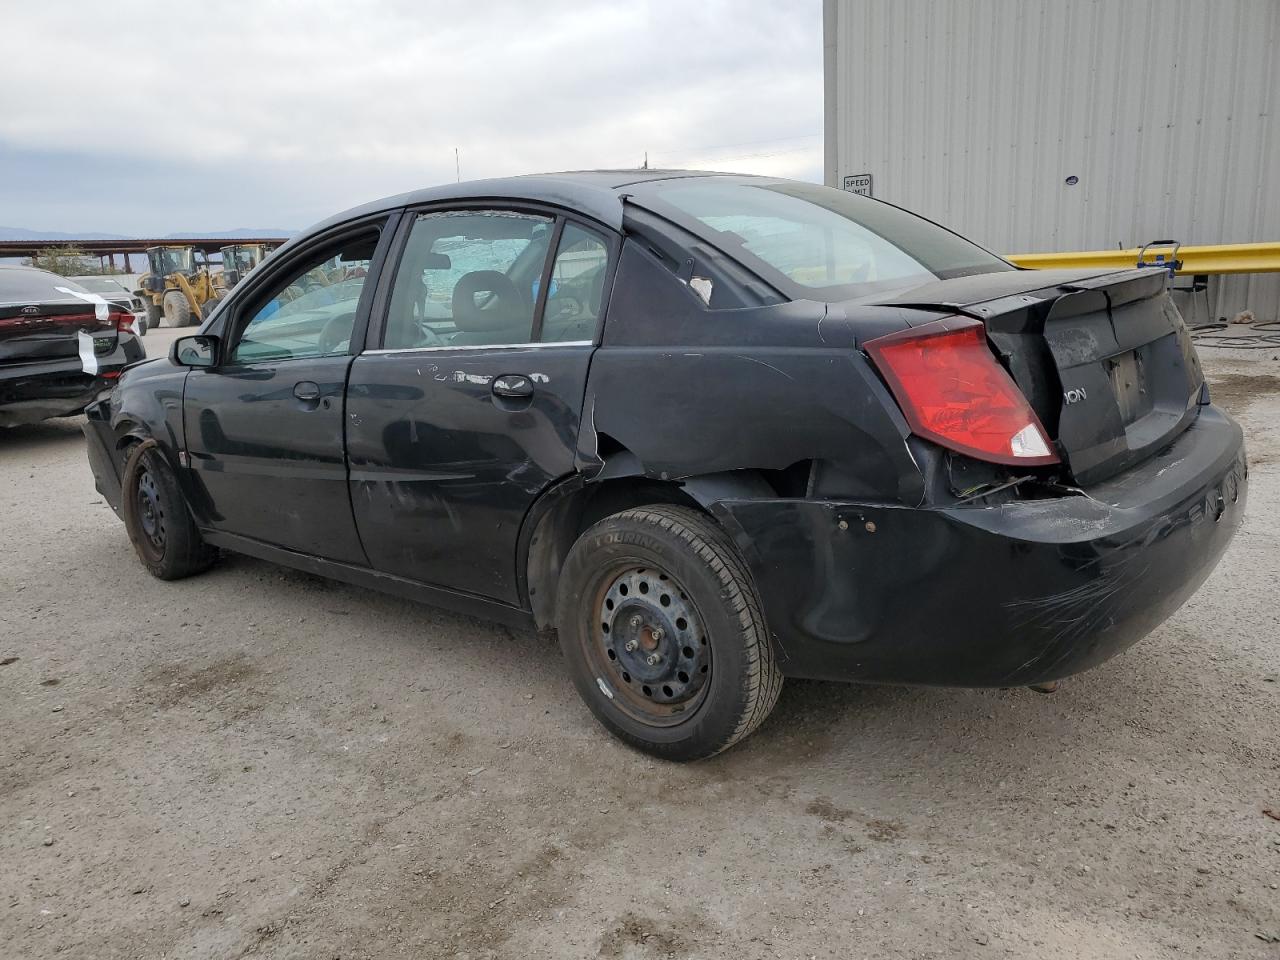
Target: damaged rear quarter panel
[(690, 390)]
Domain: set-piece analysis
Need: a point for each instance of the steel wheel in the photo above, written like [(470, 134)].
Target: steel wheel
[(662, 633), (151, 516), (648, 637), (160, 526)]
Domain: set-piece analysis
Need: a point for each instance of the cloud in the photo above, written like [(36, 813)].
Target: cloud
[(160, 117)]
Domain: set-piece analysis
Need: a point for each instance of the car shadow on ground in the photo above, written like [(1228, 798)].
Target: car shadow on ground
[(883, 731), (34, 436)]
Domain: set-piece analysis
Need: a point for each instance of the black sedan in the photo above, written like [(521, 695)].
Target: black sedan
[(60, 345), (711, 430)]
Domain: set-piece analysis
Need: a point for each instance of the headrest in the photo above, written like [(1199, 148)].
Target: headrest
[(504, 307)]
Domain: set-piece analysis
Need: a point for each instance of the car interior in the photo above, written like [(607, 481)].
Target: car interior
[(472, 279)]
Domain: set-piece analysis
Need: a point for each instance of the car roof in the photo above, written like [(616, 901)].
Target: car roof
[(23, 268), (595, 193)]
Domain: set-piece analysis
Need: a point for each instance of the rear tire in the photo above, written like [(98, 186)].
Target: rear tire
[(156, 516), (177, 311), (663, 635), (154, 315)]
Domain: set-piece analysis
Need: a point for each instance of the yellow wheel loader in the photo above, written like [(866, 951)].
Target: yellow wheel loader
[(175, 289), (238, 259)]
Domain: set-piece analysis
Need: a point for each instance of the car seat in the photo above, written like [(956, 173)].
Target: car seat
[(505, 317)]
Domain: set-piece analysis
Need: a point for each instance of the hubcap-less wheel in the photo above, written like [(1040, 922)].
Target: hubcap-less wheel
[(649, 639), (150, 511)]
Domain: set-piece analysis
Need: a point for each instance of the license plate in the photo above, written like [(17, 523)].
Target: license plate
[(1129, 383)]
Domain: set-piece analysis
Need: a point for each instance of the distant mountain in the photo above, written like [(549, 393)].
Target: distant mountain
[(20, 233), (54, 236), (235, 234)]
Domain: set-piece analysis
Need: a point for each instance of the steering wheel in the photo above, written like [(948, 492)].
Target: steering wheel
[(565, 307), (335, 333)]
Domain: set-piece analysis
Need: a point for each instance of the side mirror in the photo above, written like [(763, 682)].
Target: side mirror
[(197, 351)]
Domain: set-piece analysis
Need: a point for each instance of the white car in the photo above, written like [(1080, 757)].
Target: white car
[(114, 291)]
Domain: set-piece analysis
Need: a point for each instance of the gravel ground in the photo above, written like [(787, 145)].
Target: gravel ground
[(256, 762)]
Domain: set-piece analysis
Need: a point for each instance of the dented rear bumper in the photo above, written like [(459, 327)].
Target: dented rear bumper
[(1025, 592)]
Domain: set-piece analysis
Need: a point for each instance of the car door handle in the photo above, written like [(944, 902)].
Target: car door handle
[(513, 385), (306, 390)]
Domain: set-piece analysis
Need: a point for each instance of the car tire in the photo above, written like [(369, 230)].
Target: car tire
[(155, 513), (177, 311), (154, 315), (666, 581)]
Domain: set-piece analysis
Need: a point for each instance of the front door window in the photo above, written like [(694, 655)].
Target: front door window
[(313, 311)]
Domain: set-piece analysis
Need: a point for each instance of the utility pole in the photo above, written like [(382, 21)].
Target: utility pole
[(457, 165)]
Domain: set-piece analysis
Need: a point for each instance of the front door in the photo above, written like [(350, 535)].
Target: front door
[(264, 428), (471, 407)]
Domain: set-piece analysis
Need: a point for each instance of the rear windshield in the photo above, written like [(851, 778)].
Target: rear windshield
[(814, 241), (101, 285), (25, 286)]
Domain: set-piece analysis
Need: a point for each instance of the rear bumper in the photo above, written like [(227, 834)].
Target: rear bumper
[(31, 392), (1021, 593)]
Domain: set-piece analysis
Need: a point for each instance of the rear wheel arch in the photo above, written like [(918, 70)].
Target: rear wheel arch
[(569, 509)]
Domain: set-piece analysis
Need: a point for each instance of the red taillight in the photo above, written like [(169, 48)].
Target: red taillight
[(121, 319), (953, 392)]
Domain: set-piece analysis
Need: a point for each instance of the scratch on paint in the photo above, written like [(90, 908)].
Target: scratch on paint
[(1072, 615), (764, 364), (461, 376), (539, 378)]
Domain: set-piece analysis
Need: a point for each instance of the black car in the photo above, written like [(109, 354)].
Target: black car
[(60, 345), (712, 430)]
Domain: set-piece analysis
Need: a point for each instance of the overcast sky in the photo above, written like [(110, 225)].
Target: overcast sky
[(150, 118)]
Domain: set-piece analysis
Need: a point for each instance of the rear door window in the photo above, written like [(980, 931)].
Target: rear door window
[(468, 278), (576, 291)]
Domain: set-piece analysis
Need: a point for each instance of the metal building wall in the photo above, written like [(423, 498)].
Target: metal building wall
[(975, 112)]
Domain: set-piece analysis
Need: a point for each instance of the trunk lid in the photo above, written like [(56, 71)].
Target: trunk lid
[(45, 317), (1104, 358), (52, 331)]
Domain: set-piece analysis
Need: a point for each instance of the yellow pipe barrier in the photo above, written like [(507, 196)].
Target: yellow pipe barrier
[(1221, 258)]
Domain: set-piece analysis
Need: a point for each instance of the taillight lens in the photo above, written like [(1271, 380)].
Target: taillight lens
[(954, 392), (122, 320)]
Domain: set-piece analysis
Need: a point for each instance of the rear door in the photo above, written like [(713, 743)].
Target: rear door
[(264, 428), (469, 407)]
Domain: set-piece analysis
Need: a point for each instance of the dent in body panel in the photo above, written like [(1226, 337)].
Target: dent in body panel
[(147, 403), (686, 414), (1119, 568), (690, 391), (443, 471)]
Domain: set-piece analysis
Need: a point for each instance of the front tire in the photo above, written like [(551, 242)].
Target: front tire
[(662, 632), (177, 311), (155, 513), (208, 307)]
